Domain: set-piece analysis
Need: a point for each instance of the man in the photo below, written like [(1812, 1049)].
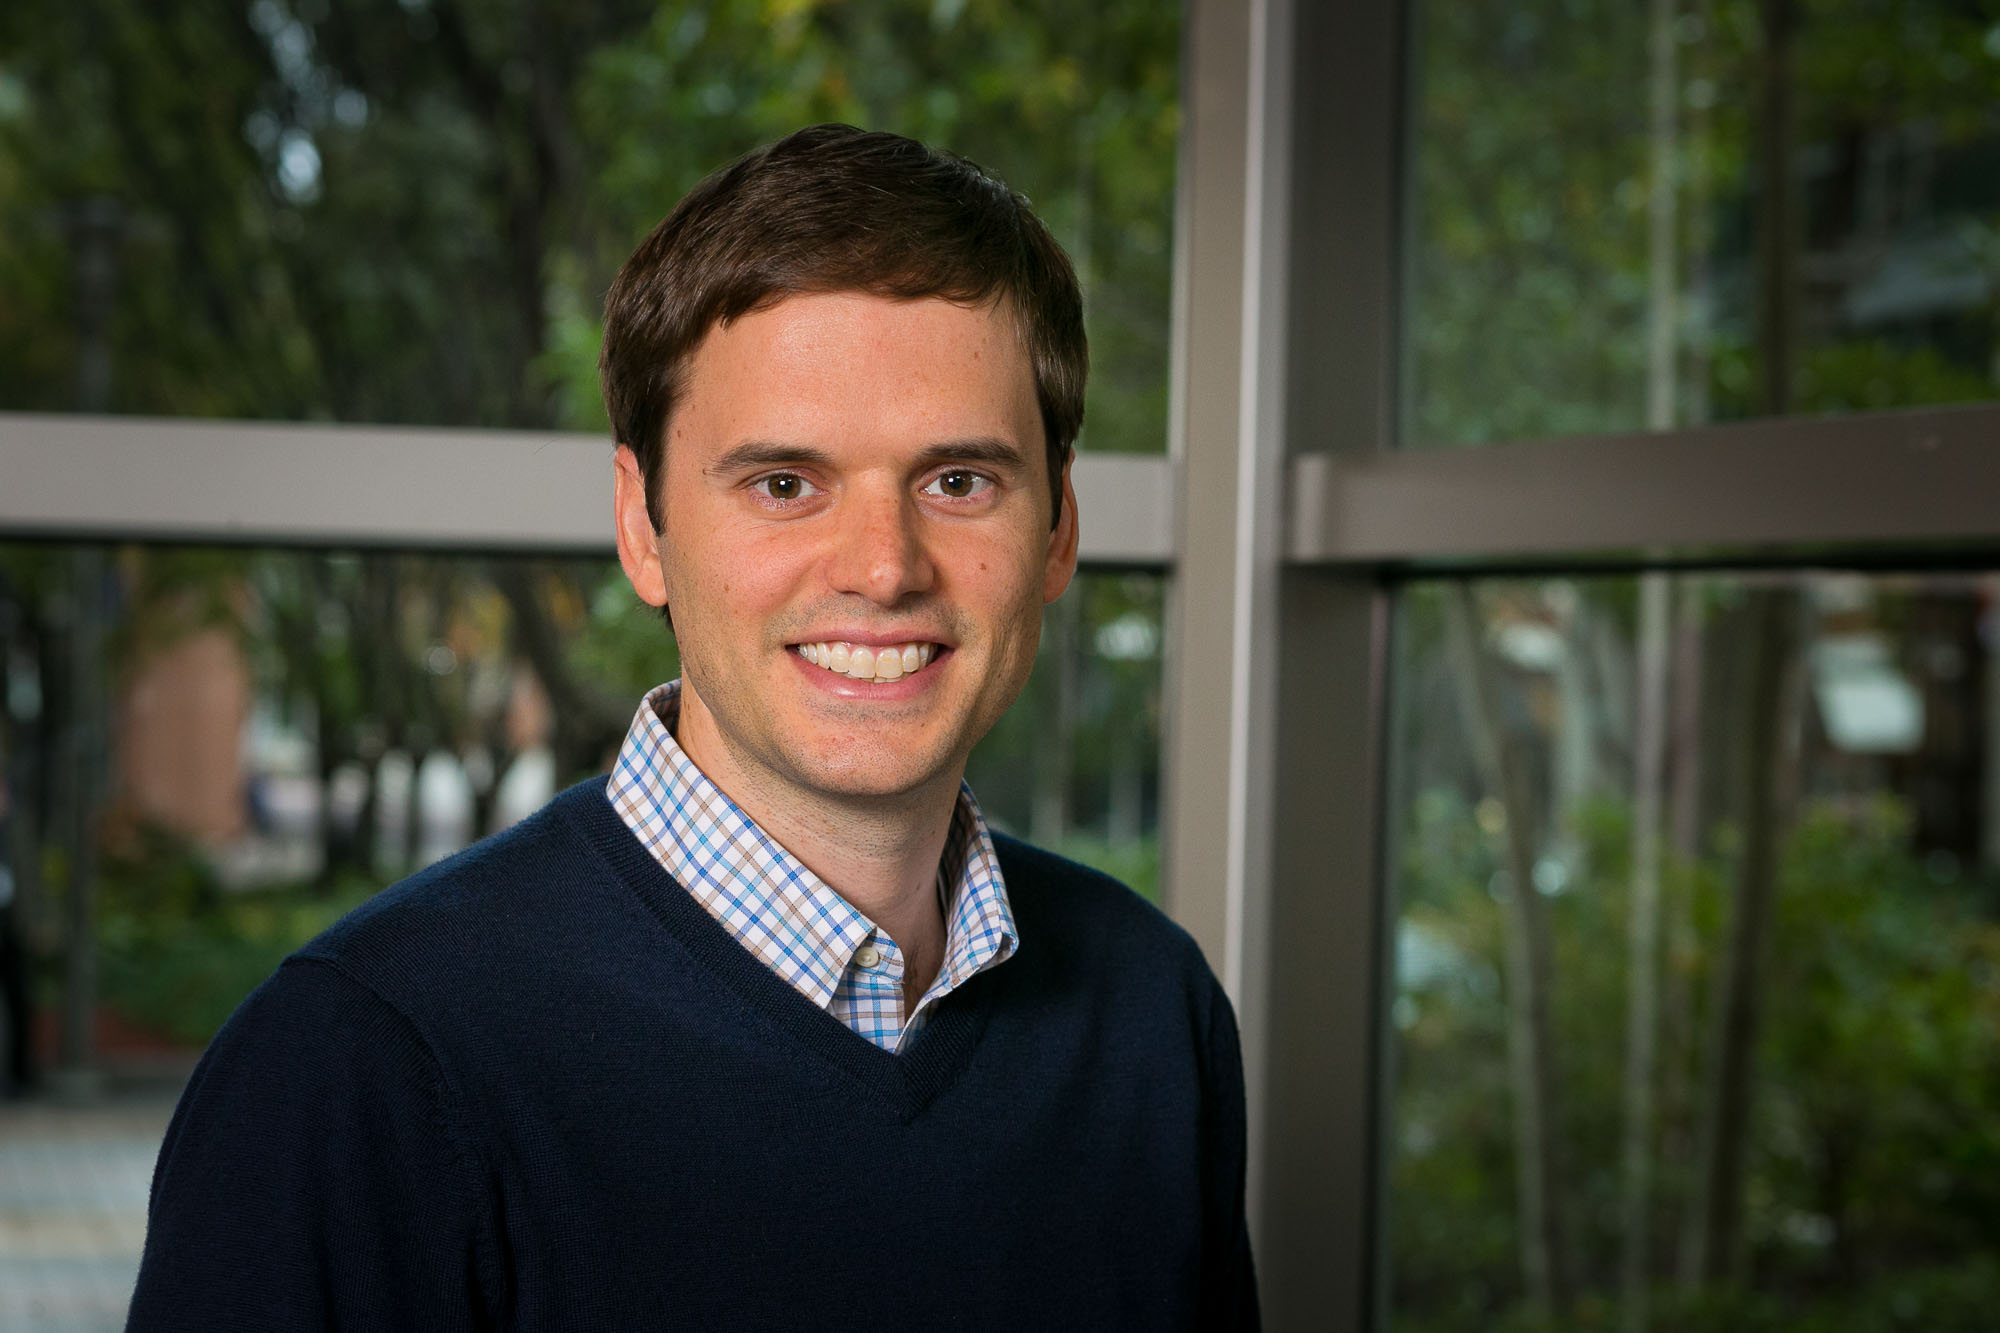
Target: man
[(768, 1030)]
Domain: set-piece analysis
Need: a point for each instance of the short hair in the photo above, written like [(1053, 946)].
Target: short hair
[(832, 208)]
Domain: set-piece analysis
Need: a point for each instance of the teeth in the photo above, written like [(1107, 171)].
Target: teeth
[(862, 663)]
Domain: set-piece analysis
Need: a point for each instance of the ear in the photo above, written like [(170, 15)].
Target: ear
[(1061, 562), (638, 543)]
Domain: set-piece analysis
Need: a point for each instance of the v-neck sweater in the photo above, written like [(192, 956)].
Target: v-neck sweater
[(538, 1087), (772, 903)]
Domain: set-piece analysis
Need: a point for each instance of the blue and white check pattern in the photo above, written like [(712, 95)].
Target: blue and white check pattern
[(783, 913)]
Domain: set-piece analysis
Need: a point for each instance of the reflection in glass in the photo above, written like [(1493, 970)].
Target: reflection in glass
[(1696, 1019), (1641, 216)]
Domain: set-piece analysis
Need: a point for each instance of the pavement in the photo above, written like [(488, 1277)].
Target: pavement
[(73, 1183)]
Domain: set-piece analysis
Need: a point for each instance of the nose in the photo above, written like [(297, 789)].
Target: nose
[(879, 549)]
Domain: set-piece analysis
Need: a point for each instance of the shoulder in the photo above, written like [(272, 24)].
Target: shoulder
[(507, 903), (506, 869), (1045, 886), (1084, 918), (1104, 971), (318, 1148)]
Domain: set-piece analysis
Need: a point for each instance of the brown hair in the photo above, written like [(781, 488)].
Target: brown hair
[(828, 209)]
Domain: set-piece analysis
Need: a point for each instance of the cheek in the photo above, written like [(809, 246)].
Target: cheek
[(733, 576), (1010, 591)]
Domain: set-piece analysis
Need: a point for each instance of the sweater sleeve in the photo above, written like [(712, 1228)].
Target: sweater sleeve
[(1229, 1278), (313, 1176)]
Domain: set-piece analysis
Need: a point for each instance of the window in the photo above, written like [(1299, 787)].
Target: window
[(1696, 885), (1629, 217), (1691, 874)]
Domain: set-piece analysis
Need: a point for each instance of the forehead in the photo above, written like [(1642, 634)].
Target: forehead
[(846, 362)]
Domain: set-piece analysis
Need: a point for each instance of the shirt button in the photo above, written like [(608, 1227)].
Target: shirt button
[(868, 956)]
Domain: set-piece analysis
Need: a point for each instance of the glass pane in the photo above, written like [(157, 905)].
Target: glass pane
[(409, 213), (208, 755), (1637, 216), (1075, 765), (1696, 1012)]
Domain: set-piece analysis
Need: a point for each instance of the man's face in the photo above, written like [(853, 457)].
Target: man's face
[(849, 479)]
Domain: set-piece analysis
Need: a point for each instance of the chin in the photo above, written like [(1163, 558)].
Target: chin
[(890, 774)]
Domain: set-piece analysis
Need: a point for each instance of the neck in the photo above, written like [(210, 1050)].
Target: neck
[(880, 853)]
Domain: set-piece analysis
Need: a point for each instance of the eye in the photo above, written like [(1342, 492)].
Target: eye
[(785, 486), (958, 484)]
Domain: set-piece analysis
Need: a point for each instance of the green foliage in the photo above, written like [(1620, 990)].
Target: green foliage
[(1955, 1298), (1086, 729), (1874, 1150), (623, 644), (1529, 289), (1533, 169), (1136, 865), (1884, 1028), (410, 213), (177, 952), (1945, 1298), (1451, 1231), (1870, 375), (1078, 110)]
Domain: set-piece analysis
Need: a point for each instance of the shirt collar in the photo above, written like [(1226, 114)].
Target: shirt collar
[(774, 906)]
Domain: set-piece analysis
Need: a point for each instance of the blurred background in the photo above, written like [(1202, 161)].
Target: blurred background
[(1686, 1010)]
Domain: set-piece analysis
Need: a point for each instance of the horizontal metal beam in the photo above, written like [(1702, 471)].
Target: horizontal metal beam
[(131, 478), (1797, 487), (271, 483), (1126, 504)]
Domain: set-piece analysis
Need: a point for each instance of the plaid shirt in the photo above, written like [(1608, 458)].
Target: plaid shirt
[(783, 913)]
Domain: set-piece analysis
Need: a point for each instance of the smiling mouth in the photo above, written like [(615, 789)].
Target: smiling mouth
[(858, 662)]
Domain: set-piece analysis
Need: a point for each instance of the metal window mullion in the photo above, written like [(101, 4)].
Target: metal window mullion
[(1276, 675), (291, 484), (1789, 488), (1211, 874)]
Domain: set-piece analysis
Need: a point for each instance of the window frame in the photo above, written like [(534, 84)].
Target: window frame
[(1300, 517)]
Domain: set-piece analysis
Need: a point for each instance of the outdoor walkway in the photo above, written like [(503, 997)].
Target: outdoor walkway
[(73, 1184)]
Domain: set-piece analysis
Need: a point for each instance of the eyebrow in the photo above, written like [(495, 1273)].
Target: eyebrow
[(765, 453), (753, 454), (987, 449)]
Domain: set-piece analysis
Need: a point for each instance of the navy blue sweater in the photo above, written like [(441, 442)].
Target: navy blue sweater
[(538, 1087)]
